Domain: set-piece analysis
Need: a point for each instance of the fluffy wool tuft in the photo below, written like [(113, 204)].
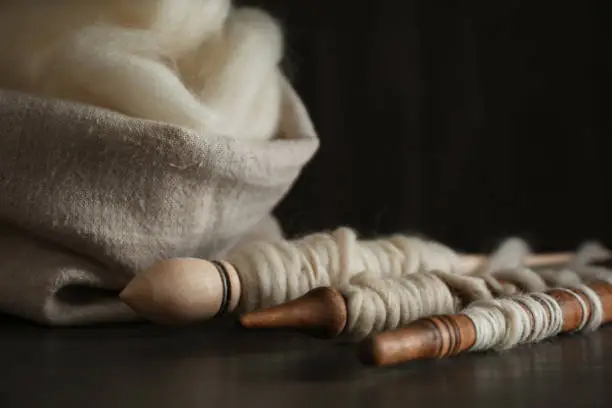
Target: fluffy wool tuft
[(205, 65)]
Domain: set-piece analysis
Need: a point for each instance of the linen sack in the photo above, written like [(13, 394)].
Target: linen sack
[(90, 197)]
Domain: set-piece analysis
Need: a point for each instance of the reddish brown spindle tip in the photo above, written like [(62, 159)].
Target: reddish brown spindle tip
[(320, 313)]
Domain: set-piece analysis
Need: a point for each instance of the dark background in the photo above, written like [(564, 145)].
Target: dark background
[(465, 121)]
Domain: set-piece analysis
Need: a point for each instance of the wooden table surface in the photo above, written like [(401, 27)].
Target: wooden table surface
[(220, 365)]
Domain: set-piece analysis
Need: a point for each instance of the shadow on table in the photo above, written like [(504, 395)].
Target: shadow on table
[(272, 355)]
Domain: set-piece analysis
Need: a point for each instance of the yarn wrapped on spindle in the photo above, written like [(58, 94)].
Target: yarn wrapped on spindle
[(275, 272), (494, 324), (578, 297), (374, 303), (272, 272), (377, 304)]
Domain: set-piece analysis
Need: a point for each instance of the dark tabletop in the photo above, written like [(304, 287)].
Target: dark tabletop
[(220, 365)]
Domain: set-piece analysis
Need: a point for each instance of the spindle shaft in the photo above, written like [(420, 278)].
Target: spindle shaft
[(188, 290), (306, 315), (438, 337)]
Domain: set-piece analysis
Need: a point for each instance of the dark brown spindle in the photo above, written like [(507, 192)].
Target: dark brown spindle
[(444, 336), (322, 312)]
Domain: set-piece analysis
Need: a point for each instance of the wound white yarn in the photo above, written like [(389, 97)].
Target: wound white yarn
[(378, 304), (390, 282), (505, 323), (583, 306), (490, 324), (594, 307), (597, 310), (276, 272)]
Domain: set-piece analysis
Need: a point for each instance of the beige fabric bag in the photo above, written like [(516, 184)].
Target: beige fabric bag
[(90, 197)]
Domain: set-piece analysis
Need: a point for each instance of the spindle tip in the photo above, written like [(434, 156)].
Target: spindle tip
[(183, 290), (319, 313)]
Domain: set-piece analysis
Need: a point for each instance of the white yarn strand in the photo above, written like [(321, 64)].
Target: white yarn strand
[(277, 272), (583, 305), (505, 323), (391, 282), (380, 304), (596, 316)]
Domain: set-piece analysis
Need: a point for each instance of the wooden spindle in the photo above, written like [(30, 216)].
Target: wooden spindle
[(189, 290), (321, 313), (443, 336), (314, 314), (184, 290)]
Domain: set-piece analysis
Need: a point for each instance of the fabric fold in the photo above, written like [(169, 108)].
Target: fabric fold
[(90, 197)]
